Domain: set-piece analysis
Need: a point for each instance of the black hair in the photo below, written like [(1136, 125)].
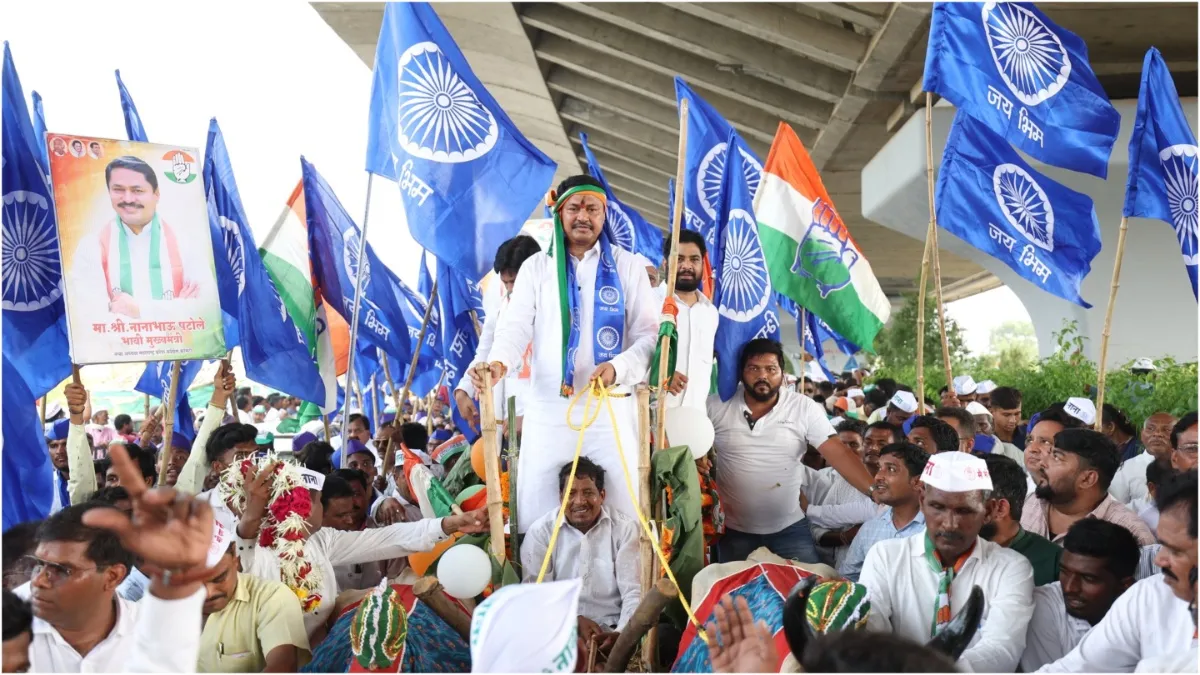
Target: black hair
[(109, 496), (912, 455), (685, 237), (853, 426), (100, 468), (1006, 398), (133, 164), (826, 389), (243, 402), (1114, 415), (144, 459), (586, 469), (336, 487), (876, 397), (1179, 491), (1008, 483), (576, 181), (864, 651), (1095, 451), (1157, 473), (19, 542), (18, 616), (902, 387), (514, 252), (966, 421), (104, 547), (354, 476), (944, 435), (121, 420), (758, 347), (887, 385), (225, 437), (414, 435), (317, 456), (359, 417), (896, 432), (1108, 541), (1187, 422)]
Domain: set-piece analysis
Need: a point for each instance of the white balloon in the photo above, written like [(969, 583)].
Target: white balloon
[(464, 571), (690, 427)]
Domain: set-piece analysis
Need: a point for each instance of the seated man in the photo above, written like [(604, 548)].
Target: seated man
[(595, 544), (1004, 526), (344, 502), (897, 485), (932, 435), (827, 488), (918, 583), (1097, 567)]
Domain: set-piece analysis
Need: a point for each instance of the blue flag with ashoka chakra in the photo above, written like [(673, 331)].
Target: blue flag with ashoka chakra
[(468, 178), (35, 324), (1163, 165), (1010, 67), (624, 226), (992, 199)]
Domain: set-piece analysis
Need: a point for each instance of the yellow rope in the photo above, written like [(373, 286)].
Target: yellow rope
[(601, 395)]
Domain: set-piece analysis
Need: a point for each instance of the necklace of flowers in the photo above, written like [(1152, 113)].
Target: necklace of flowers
[(284, 525)]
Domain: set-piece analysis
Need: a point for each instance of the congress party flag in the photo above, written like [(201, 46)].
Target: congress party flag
[(624, 226), (39, 128), (467, 177), (28, 483), (35, 322), (810, 253), (274, 351), (992, 199), (1164, 170), (1010, 67), (742, 293), (156, 381)]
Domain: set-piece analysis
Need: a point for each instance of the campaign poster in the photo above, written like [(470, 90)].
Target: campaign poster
[(138, 273)]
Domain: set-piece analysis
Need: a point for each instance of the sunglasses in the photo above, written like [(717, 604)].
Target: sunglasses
[(56, 573)]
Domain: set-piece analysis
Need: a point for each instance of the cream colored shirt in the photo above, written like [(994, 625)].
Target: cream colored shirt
[(697, 327), (261, 616)]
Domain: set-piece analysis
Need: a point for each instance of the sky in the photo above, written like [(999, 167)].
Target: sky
[(979, 314)]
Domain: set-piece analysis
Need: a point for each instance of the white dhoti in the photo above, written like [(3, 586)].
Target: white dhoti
[(548, 442)]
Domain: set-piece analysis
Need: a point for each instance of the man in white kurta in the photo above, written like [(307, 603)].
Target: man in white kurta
[(696, 324), (534, 314)]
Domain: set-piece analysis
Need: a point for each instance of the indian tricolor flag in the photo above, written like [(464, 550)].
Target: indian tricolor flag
[(286, 256), (810, 254)]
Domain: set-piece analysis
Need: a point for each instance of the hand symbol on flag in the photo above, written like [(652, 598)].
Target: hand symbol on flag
[(180, 168)]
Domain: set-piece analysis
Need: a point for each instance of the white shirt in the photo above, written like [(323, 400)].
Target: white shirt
[(534, 315), (244, 417), (828, 488), (1052, 632), (1129, 483), (1146, 629), (697, 327), (512, 384), (605, 558), (1147, 511), (760, 470), (903, 589), (150, 636)]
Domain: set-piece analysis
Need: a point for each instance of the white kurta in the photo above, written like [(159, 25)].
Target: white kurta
[(515, 383), (1130, 481), (697, 326), (548, 442)]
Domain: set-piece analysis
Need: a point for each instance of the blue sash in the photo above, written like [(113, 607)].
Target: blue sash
[(608, 323)]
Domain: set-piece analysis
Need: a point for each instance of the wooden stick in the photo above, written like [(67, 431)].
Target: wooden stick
[(644, 618), (920, 392), (591, 655), (646, 484), (429, 590), (660, 435), (412, 366), (514, 453), (491, 462), (362, 265), (803, 329), (168, 408), (387, 373), (1108, 314), (145, 407), (933, 234), (44, 397)]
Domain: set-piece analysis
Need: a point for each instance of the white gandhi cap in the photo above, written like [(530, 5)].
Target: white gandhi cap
[(527, 628), (985, 387), (964, 385), (1081, 409), (977, 408), (904, 400), (956, 472)]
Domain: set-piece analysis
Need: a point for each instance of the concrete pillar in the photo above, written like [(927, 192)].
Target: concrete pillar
[(1155, 314)]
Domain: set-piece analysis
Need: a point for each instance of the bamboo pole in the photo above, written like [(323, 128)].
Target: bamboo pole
[(644, 620), (514, 453), (412, 366), (920, 392), (660, 436), (168, 408), (491, 462), (933, 235), (387, 374), (375, 400), (646, 485), (1108, 314), (145, 408), (362, 264), (803, 331)]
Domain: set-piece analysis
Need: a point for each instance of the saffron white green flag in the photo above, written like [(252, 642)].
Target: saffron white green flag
[(810, 254), (286, 256)]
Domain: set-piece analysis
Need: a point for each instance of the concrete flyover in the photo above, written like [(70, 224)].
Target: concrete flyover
[(846, 76)]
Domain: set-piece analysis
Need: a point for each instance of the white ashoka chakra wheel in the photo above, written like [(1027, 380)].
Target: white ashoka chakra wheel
[(441, 119), (1031, 59), (1181, 174), (712, 170), (608, 337), (744, 284), (350, 243), (231, 233), (31, 263), (620, 227), (1024, 204), (609, 295)]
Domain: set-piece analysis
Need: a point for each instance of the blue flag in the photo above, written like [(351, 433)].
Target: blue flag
[(35, 322), (274, 351), (1163, 172), (425, 282), (704, 166), (333, 240), (39, 128), (624, 226), (133, 121), (742, 293), (457, 299), (992, 199), (156, 381), (429, 363), (1010, 67), (27, 482), (467, 177)]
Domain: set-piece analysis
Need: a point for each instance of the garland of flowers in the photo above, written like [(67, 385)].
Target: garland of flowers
[(284, 525)]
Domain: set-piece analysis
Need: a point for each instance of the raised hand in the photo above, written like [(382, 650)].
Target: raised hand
[(471, 522), (466, 408), (737, 644), (224, 385), (76, 401)]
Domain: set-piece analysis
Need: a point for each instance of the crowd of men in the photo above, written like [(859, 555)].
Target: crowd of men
[(1081, 536)]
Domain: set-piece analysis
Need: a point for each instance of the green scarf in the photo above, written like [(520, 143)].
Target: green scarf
[(558, 251), (941, 604), (156, 290)]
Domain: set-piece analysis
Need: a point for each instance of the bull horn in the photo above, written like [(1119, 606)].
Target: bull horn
[(795, 619), (954, 638)]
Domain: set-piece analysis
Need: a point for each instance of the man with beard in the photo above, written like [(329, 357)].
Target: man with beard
[(897, 487), (919, 582), (1183, 440), (1042, 429), (1130, 482), (1073, 484), (762, 432), (1004, 521), (589, 312), (1147, 628), (696, 323), (1097, 567)]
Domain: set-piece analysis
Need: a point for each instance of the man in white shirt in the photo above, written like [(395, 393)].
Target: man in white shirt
[(762, 432), (1152, 626), (696, 323), (1130, 482), (918, 583), (1183, 443), (595, 544), (1097, 566), (588, 310)]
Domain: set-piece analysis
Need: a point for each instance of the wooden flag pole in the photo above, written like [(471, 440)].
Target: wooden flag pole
[(362, 254), (491, 463), (374, 400), (168, 408), (649, 561), (145, 408), (514, 453), (387, 374), (803, 328), (412, 365), (920, 392), (933, 236), (1108, 314), (660, 435)]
